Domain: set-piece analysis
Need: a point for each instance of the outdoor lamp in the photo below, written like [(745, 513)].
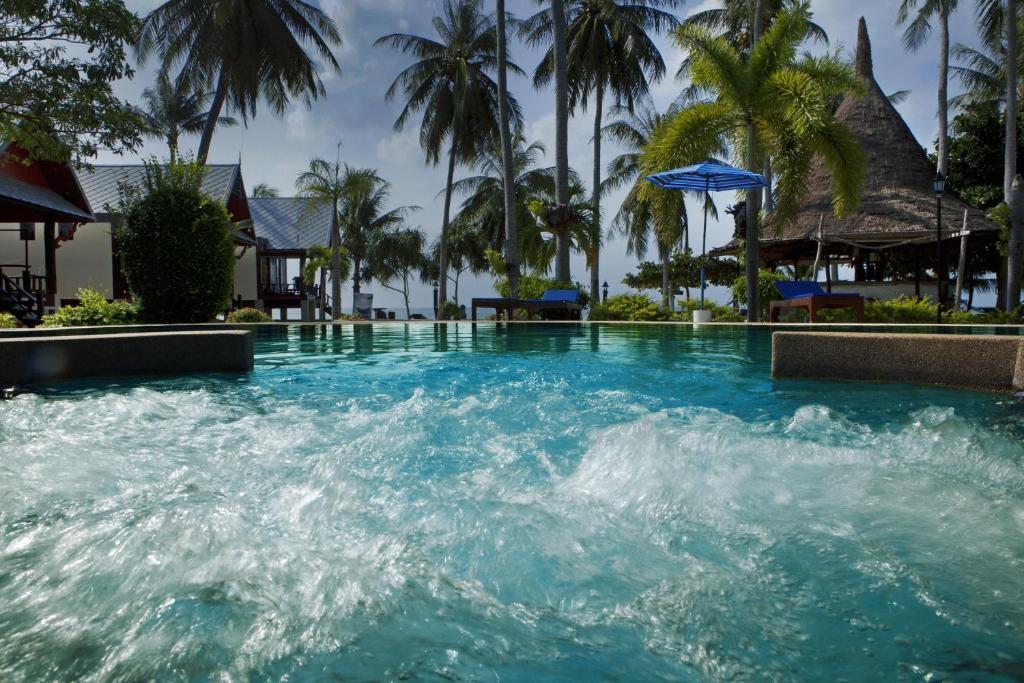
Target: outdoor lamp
[(939, 184), (604, 293)]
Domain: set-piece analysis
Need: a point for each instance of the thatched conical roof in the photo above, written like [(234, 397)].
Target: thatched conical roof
[(898, 202)]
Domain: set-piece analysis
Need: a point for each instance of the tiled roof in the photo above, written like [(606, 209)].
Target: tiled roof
[(41, 197), (291, 223), (101, 183)]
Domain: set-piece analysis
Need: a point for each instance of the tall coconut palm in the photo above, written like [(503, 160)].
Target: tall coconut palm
[(917, 32), (321, 183), (560, 219), (450, 84), (172, 109), (484, 205), (318, 260), (656, 215), (247, 51), (507, 154), (767, 105), (610, 52)]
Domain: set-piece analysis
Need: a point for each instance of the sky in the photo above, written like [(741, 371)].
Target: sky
[(275, 150)]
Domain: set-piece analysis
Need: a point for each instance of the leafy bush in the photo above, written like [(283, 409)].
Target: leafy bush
[(248, 315), (534, 286), (719, 313), (449, 310), (631, 307), (93, 310), (8, 321), (176, 246), (766, 291)]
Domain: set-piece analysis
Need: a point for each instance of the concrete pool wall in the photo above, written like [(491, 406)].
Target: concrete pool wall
[(982, 362), (28, 359)]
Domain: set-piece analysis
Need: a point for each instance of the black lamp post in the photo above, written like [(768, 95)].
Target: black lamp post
[(604, 292), (435, 298), (938, 186)]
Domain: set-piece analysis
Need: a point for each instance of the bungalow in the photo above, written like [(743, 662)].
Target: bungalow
[(286, 228), (78, 249)]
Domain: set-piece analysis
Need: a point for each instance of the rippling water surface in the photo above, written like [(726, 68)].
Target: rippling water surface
[(519, 504)]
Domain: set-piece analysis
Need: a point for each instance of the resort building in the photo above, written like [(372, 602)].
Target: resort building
[(890, 240), (75, 247), (286, 228)]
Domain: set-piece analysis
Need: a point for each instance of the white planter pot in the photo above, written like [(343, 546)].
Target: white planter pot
[(702, 316)]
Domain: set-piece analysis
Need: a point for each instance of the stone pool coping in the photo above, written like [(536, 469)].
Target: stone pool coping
[(980, 362), (31, 359)]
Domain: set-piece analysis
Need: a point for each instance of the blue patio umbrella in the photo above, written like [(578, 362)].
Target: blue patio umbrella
[(710, 175)]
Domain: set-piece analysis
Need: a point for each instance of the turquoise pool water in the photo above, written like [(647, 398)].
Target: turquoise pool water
[(516, 503)]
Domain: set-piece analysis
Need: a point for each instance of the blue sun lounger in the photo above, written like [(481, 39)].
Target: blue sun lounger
[(812, 298), (557, 300)]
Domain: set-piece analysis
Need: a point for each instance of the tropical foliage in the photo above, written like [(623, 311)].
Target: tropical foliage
[(248, 315), (92, 310), (172, 109), (244, 51), (609, 51), (450, 85), (8, 321), (397, 260), (176, 246), (773, 101), (58, 61)]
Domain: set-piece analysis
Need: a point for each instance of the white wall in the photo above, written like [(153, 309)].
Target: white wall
[(246, 275)]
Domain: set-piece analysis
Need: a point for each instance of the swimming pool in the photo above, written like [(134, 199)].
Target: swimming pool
[(525, 502)]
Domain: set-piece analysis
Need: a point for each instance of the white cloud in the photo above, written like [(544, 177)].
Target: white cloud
[(302, 126), (401, 148)]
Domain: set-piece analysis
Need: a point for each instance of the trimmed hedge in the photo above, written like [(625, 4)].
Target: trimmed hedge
[(176, 246)]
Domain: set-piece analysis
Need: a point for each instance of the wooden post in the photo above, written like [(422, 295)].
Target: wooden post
[(917, 272), (828, 271), (817, 257), (962, 265), (50, 258)]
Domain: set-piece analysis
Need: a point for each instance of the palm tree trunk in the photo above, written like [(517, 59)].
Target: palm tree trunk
[(943, 146), (323, 295), (1013, 258), (769, 200), (219, 95), (666, 278), (357, 262), (336, 268), (442, 279), (595, 237), (172, 145), (405, 295), (562, 237), (752, 251), (507, 169)]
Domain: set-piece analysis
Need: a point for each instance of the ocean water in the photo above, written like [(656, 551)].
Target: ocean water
[(521, 503)]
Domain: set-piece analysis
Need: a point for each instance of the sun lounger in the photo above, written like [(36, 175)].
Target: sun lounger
[(566, 301), (812, 298)]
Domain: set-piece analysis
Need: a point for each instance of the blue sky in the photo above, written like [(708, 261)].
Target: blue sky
[(274, 150)]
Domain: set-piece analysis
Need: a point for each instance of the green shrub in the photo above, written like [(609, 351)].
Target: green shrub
[(8, 321), (248, 315), (449, 310), (93, 310), (766, 291), (719, 313), (176, 246), (629, 307)]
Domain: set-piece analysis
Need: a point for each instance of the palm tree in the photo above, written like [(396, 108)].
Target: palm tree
[(609, 52), (981, 72), (1013, 246), (484, 206), (246, 50), (538, 240), (264, 191), (767, 105), (467, 253), (318, 259), (321, 183), (450, 84), (171, 110), (397, 254), (507, 155), (659, 214), (559, 218), (916, 33)]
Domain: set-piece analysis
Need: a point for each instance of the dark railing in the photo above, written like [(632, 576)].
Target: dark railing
[(290, 289), (23, 295)]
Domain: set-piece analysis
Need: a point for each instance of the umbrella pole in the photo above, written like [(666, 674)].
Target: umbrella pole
[(704, 241)]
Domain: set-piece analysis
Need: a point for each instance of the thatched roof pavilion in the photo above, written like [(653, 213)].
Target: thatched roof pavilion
[(897, 208)]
